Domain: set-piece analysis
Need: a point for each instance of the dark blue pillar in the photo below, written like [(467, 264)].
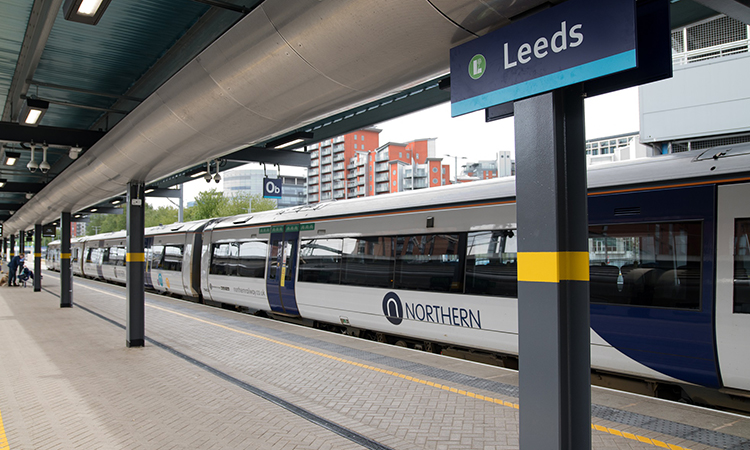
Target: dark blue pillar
[(136, 264), (37, 257), (66, 274), (553, 272)]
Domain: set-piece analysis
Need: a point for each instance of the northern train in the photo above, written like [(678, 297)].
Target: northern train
[(435, 269)]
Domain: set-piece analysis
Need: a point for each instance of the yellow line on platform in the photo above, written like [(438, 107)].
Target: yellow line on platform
[(612, 431), (3, 438)]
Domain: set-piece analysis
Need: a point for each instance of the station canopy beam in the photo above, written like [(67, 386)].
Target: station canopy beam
[(270, 156), (55, 136)]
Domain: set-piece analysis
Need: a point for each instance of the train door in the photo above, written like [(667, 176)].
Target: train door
[(733, 285), (282, 267)]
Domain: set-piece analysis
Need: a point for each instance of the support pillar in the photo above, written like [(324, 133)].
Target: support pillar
[(136, 266), (553, 272), (66, 274), (38, 257), (12, 247)]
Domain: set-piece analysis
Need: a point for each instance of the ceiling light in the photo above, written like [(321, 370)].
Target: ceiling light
[(2, 182), (94, 209), (32, 110), (114, 202), (11, 158), (198, 174), (149, 190), (289, 140), (84, 11)]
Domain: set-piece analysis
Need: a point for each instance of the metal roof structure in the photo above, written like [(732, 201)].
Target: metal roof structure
[(157, 88)]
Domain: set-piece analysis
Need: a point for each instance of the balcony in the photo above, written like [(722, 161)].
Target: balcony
[(338, 148), (339, 166), (351, 184), (325, 196), (325, 187), (325, 178), (327, 169), (338, 158), (327, 142), (326, 151), (313, 146), (312, 190), (382, 156), (382, 167), (351, 174), (339, 176), (313, 172), (326, 160), (361, 171), (313, 180), (338, 139), (312, 198), (339, 185), (314, 155), (339, 194), (382, 177), (361, 181), (382, 188)]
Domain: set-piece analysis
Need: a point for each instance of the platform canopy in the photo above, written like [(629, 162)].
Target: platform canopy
[(156, 89)]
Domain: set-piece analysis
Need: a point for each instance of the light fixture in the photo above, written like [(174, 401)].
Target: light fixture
[(2, 182), (32, 110), (114, 202), (207, 177), (217, 177), (44, 165), (11, 158), (149, 190), (94, 209), (74, 152), (291, 139), (29, 195), (84, 11), (198, 174), (32, 165)]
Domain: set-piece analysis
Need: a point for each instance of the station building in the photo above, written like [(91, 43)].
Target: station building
[(250, 181)]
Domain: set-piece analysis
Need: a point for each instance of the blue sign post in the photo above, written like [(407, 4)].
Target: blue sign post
[(575, 41)]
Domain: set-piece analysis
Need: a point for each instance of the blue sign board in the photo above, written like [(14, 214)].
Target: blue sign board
[(272, 188), (569, 43)]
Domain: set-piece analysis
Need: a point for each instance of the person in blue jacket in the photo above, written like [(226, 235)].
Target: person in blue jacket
[(13, 265)]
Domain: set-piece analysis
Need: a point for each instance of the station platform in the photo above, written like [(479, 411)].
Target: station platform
[(215, 379)]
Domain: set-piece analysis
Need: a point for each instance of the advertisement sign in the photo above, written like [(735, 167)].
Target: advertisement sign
[(569, 43)]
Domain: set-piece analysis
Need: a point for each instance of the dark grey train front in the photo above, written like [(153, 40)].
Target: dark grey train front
[(436, 268)]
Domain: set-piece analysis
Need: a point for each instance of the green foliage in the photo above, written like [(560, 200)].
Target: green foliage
[(104, 223), (163, 215), (212, 203)]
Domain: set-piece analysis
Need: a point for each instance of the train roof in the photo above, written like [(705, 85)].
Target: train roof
[(179, 227), (714, 165)]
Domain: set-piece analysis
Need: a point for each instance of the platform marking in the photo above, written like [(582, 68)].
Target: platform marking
[(3, 439), (643, 439)]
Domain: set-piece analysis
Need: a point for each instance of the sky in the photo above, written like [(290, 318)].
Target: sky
[(469, 136)]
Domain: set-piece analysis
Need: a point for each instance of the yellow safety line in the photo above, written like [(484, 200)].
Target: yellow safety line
[(498, 401), (3, 438)]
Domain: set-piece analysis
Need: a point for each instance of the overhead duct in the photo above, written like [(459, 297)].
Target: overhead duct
[(287, 64)]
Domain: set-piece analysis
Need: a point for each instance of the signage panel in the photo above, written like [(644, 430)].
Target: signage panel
[(569, 43), (307, 227), (272, 188)]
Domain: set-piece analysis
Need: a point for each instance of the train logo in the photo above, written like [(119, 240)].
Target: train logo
[(393, 309), (161, 282)]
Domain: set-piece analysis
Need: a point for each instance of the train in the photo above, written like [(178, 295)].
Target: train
[(435, 269)]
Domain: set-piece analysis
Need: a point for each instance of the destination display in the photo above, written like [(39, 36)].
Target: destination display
[(572, 42)]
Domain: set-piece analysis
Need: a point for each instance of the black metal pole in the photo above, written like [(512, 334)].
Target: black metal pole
[(553, 272), (66, 274), (136, 264)]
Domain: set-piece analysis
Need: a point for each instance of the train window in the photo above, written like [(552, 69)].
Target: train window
[(224, 259), (428, 263), (157, 251), (74, 259), (742, 266), (88, 256), (320, 261), (105, 256), (654, 265), (116, 256), (172, 259), (491, 266), (273, 260), (252, 259), (368, 261)]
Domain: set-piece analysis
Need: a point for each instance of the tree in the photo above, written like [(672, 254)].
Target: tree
[(208, 204)]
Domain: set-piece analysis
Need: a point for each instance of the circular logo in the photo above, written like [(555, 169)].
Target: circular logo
[(393, 309), (477, 66)]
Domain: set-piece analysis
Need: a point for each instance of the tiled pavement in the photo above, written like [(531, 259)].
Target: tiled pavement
[(67, 381)]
